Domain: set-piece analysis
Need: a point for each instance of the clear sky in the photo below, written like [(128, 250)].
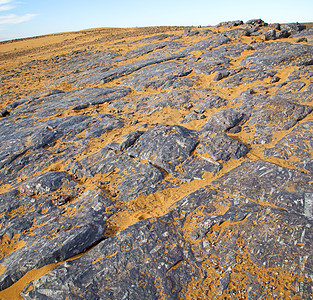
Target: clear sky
[(25, 18)]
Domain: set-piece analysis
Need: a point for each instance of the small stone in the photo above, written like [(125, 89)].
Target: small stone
[(201, 117), (134, 122), (199, 110), (276, 26), (235, 129), (220, 75), (189, 106), (275, 79), (63, 199), (4, 113), (300, 40)]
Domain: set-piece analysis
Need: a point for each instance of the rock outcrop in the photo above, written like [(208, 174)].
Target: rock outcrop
[(165, 163)]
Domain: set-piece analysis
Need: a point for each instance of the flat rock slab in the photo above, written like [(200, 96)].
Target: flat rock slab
[(165, 146), (221, 147), (270, 115), (207, 44), (280, 53), (47, 106), (50, 233), (28, 145), (267, 183), (157, 76), (296, 147)]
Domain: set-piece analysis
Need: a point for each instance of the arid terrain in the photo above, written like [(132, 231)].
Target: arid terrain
[(158, 163)]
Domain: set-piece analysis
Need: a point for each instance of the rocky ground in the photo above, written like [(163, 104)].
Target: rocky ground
[(158, 163)]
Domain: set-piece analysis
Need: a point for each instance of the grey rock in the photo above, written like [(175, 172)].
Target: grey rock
[(194, 168), (118, 72), (70, 171), (295, 147), (191, 117), (153, 38), (207, 44), (56, 235), (46, 183), (27, 145), (136, 177), (275, 115), (279, 53), (276, 26), (223, 120), (161, 75), (301, 40), (165, 146), (275, 79), (293, 27), (270, 35), (230, 23), (126, 141), (141, 51), (269, 183), (221, 74), (252, 30), (256, 22), (221, 147), (4, 112), (284, 33), (219, 59)]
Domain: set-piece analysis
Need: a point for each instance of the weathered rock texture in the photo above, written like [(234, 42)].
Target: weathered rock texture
[(159, 163)]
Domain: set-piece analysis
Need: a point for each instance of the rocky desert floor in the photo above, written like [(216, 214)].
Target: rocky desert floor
[(158, 163)]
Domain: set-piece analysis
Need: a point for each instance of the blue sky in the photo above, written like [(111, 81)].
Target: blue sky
[(25, 18)]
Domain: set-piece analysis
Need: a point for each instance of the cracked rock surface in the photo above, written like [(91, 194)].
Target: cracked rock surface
[(158, 163)]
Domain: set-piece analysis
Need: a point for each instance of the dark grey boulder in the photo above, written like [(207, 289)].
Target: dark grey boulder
[(165, 146), (293, 27), (223, 120), (221, 74), (256, 22), (221, 147), (270, 35), (230, 23), (284, 33)]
